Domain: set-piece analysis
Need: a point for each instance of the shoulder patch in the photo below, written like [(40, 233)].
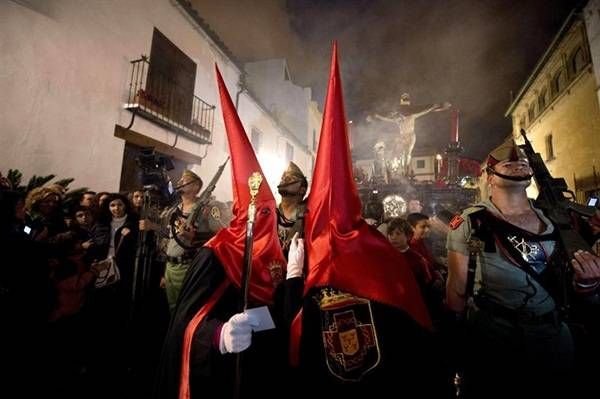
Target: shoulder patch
[(455, 222), (215, 212)]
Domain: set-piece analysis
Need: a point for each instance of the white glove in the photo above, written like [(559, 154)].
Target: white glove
[(295, 264), (236, 334)]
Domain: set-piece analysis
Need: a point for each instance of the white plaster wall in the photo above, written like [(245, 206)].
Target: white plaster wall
[(286, 100), (57, 112), (271, 154), (315, 120), (64, 79)]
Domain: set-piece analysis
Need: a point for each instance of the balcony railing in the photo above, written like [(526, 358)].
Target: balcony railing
[(157, 97)]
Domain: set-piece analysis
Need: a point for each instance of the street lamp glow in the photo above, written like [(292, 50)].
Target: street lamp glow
[(273, 166)]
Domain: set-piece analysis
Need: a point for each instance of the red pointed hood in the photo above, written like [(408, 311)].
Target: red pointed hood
[(343, 250), (268, 262)]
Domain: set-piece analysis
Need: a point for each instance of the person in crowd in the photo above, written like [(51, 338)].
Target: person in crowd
[(83, 217), (5, 183), (414, 206), (399, 232), (83, 227), (99, 200), (434, 288), (26, 298), (137, 200), (183, 238), (421, 227), (587, 315), (436, 241), (291, 209), (210, 323), (114, 235), (515, 339), (67, 329), (593, 229), (361, 327), (87, 199), (43, 213), (373, 210)]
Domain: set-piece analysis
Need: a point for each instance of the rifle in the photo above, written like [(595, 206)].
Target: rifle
[(201, 203), (204, 198), (560, 209)]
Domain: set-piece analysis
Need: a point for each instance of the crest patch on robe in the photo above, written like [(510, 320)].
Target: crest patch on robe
[(349, 335)]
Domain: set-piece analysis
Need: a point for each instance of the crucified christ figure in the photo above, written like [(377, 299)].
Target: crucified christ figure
[(405, 118)]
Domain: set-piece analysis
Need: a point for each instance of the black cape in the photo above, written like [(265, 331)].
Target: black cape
[(212, 373), (410, 364)]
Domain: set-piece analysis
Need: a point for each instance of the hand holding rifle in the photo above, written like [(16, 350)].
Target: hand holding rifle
[(557, 203)]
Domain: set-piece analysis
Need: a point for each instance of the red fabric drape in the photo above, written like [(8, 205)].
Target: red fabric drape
[(343, 250), (228, 244)]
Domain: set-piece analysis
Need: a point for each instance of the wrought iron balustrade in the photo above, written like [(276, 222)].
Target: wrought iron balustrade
[(156, 96)]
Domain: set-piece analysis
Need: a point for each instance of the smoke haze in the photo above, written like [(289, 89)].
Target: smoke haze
[(470, 53)]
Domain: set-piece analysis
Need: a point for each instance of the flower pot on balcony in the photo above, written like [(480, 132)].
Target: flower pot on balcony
[(149, 102)]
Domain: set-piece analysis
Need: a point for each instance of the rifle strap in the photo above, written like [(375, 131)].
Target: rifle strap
[(481, 225)]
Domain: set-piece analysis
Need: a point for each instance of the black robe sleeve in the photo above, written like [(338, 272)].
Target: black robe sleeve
[(212, 373), (203, 278), (290, 294)]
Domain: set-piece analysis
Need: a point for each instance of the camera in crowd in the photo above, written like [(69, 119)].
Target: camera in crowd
[(153, 173)]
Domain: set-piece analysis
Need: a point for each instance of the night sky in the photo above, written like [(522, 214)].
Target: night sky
[(470, 53)]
